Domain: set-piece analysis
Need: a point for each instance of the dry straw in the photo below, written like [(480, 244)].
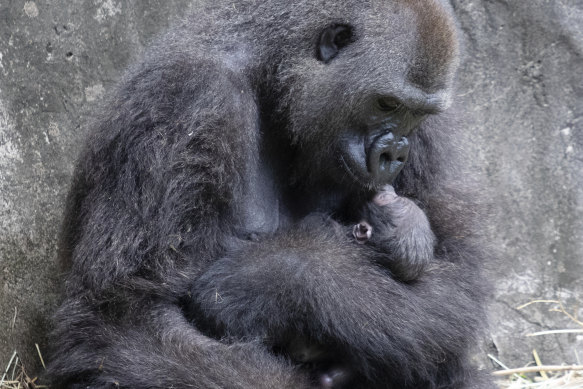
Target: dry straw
[(547, 376)]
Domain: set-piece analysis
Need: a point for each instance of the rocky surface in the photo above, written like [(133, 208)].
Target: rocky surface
[(522, 80)]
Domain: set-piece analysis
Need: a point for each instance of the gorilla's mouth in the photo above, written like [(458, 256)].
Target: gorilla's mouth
[(372, 161), (378, 169)]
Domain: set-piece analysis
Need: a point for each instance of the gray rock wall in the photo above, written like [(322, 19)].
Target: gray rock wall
[(522, 79)]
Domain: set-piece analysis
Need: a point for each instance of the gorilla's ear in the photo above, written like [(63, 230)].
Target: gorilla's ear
[(332, 39)]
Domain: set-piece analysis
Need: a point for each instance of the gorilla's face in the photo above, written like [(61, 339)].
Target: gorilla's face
[(373, 152), (358, 99)]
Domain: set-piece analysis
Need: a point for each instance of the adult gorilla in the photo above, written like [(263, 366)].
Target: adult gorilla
[(209, 230)]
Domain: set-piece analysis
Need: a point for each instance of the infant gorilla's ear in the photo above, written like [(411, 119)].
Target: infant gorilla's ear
[(400, 233)]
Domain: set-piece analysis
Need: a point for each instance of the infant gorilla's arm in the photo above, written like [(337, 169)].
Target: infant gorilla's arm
[(399, 232)]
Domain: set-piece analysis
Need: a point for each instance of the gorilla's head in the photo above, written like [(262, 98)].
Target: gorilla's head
[(364, 83)]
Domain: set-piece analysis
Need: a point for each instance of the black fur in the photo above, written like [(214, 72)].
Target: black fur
[(211, 188)]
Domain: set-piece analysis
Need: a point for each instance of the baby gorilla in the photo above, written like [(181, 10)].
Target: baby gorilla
[(400, 234)]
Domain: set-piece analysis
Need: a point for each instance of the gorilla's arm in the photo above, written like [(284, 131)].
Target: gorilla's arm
[(315, 281), (145, 214)]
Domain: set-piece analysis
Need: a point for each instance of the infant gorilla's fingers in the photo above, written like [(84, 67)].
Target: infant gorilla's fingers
[(335, 377), (327, 372)]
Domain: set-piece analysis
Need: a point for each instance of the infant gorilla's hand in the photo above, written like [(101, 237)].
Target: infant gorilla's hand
[(399, 231)]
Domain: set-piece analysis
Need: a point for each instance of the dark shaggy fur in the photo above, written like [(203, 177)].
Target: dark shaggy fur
[(207, 223)]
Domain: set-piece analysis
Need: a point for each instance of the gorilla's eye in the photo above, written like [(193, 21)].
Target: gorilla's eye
[(388, 104), (332, 40), (343, 37)]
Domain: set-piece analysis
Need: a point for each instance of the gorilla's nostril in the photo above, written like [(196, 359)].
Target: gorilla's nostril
[(385, 159)]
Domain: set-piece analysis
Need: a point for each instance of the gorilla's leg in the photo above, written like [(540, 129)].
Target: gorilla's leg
[(157, 348), (108, 330)]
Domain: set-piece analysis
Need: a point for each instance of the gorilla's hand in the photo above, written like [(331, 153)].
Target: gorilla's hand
[(399, 232)]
